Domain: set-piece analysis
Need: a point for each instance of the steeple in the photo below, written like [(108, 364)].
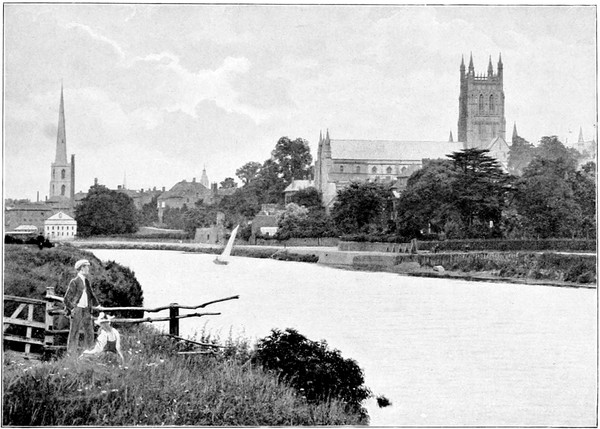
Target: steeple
[(204, 179), (580, 140), (515, 134), (61, 138), (462, 63), (490, 68)]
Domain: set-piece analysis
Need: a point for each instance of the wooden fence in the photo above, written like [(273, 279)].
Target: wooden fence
[(35, 337)]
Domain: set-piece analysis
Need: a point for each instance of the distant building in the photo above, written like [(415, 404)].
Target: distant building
[(481, 124), (340, 162), (588, 149), (295, 187), (60, 227), (266, 218), (182, 194), (26, 214)]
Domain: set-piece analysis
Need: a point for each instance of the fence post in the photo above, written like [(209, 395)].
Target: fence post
[(49, 319), (173, 320)]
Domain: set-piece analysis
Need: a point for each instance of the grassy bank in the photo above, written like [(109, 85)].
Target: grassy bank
[(156, 386)]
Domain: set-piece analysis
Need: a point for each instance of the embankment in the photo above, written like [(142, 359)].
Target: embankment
[(548, 268)]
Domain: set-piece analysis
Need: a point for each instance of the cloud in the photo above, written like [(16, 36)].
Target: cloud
[(99, 37)]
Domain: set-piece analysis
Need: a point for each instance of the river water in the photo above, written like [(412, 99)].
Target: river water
[(445, 352)]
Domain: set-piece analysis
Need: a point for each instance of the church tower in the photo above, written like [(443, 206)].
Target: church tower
[(61, 174), (481, 105)]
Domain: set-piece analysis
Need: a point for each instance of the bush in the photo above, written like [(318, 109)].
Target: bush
[(312, 369), (28, 271), (156, 387)]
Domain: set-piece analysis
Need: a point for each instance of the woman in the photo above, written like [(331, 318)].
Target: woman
[(108, 342)]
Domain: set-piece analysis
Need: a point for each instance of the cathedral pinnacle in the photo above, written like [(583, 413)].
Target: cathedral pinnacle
[(580, 136), (490, 68), (471, 68), (515, 134)]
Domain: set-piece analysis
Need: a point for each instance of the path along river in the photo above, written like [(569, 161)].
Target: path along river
[(445, 352)]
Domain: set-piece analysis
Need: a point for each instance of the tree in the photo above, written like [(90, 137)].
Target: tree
[(248, 171), (291, 221), (200, 216), (228, 183), (293, 158), (310, 198), (362, 207), (479, 191), (545, 199), (427, 199), (105, 212), (520, 155), (551, 148), (149, 212), (315, 371)]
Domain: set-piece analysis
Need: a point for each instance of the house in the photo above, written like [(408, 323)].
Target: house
[(60, 227)]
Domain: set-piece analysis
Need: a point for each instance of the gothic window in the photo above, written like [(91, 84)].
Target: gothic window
[(480, 104), (62, 190), (62, 174), (389, 170), (341, 168), (374, 170), (492, 103)]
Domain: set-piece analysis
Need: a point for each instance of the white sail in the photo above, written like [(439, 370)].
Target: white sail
[(227, 252)]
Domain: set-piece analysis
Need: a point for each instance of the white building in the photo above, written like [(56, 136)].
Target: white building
[(60, 227)]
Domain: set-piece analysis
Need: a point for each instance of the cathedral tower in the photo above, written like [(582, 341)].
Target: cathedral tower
[(61, 174), (481, 105)]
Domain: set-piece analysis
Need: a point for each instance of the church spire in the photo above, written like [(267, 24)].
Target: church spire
[(61, 137), (471, 68), (204, 179), (580, 136), (490, 68), (515, 134)]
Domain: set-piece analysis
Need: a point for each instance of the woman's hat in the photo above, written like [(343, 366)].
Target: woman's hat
[(103, 318)]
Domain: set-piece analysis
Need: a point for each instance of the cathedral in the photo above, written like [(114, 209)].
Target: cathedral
[(481, 124)]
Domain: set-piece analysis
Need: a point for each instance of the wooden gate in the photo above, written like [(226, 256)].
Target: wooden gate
[(31, 327)]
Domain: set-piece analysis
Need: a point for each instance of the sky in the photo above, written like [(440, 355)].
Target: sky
[(155, 93)]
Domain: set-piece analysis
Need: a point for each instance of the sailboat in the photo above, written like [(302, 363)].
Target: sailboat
[(222, 259)]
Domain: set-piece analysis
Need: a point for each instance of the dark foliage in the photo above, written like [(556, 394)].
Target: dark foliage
[(314, 370), (104, 211), (29, 271)]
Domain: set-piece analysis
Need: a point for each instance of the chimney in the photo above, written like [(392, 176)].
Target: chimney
[(38, 196), (72, 179), (95, 181), (154, 188), (163, 189), (194, 180), (118, 187)]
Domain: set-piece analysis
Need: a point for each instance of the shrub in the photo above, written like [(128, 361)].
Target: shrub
[(28, 271), (312, 369)]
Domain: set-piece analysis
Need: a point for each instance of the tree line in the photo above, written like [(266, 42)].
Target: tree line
[(466, 195)]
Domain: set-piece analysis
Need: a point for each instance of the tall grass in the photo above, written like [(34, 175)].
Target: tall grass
[(156, 386)]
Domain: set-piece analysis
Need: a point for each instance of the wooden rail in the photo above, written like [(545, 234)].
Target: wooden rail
[(53, 307)]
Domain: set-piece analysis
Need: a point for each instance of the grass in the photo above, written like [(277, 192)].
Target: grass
[(156, 386)]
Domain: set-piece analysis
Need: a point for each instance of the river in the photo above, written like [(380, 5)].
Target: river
[(444, 352)]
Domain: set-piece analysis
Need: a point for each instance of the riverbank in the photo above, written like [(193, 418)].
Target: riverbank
[(534, 268)]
